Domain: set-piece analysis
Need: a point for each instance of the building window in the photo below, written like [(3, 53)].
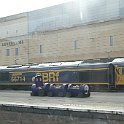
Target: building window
[(111, 40), (75, 44), (7, 52), (16, 51), (41, 49)]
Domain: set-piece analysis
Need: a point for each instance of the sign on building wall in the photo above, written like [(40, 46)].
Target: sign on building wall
[(12, 43)]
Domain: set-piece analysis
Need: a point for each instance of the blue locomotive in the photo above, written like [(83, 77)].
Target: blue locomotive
[(70, 75)]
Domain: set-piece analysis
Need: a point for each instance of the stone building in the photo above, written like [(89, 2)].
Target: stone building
[(77, 30)]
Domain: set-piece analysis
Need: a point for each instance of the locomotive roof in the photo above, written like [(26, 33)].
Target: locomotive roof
[(55, 66), (59, 65), (118, 61)]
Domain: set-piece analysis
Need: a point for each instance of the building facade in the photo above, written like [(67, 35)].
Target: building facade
[(77, 30)]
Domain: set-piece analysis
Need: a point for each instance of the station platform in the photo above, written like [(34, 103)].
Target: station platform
[(101, 107)]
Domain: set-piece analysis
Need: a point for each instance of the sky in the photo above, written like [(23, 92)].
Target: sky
[(12, 7)]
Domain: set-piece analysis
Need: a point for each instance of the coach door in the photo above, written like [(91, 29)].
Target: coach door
[(112, 76), (119, 75)]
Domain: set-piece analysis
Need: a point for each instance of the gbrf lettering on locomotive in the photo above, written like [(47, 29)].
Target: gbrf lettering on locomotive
[(49, 76)]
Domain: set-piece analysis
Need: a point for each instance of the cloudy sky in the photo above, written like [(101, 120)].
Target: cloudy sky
[(11, 7)]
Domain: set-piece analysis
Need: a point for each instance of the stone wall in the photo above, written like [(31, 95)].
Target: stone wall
[(93, 41), (34, 115)]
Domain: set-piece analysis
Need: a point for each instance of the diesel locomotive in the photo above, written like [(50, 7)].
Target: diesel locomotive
[(98, 76)]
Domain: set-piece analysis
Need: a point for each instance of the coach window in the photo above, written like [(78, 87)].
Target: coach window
[(7, 52), (16, 51)]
